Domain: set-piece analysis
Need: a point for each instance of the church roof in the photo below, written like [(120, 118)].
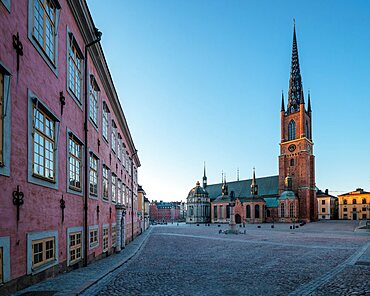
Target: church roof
[(267, 187)]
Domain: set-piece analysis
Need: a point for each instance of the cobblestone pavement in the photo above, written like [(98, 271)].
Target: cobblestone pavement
[(316, 259)]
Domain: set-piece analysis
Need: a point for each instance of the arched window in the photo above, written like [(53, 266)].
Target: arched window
[(307, 130), (227, 212), (248, 211), (364, 201), (268, 213), (292, 162), (215, 212), (354, 201), (345, 202), (291, 130), (291, 210), (221, 216), (257, 211), (282, 212)]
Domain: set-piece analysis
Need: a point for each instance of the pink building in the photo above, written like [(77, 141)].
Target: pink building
[(68, 194)]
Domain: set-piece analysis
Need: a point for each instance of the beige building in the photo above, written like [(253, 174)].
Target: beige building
[(354, 205), (326, 205)]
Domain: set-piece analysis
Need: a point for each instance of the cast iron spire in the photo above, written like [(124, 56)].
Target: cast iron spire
[(204, 177), (295, 94)]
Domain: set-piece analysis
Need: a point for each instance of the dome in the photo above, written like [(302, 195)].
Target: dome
[(288, 195), (198, 191)]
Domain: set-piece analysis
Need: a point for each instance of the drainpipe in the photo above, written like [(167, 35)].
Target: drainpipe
[(86, 189), (132, 195)]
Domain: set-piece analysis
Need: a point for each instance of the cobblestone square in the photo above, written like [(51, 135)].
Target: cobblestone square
[(316, 259)]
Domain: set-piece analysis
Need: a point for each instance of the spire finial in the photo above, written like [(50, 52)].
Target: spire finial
[(222, 176), (237, 175), (204, 174), (204, 177)]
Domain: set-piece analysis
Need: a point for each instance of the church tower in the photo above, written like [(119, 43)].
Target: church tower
[(296, 147)]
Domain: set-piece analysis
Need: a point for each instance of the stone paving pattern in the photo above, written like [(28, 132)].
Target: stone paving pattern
[(316, 259)]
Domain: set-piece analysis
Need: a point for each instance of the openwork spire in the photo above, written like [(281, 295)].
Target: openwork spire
[(295, 95)]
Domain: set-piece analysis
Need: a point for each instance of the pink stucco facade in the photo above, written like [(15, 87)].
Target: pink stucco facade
[(41, 214)]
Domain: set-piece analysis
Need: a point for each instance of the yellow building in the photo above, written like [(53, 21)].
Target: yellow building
[(354, 205)]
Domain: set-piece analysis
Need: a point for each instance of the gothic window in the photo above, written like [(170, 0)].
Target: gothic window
[(257, 211), (291, 130), (248, 211), (307, 130), (292, 162), (282, 210), (227, 212)]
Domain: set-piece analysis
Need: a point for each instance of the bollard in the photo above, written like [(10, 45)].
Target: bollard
[(272, 226)]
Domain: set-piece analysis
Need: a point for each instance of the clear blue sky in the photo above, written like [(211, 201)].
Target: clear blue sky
[(201, 80)]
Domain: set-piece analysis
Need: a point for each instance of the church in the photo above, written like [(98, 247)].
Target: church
[(288, 197)]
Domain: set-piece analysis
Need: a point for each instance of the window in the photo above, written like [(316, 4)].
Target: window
[(364, 201), (345, 216), (221, 212), (119, 145), (268, 213), (94, 100), (291, 130), (323, 210), (43, 27), (257, 211), (292, 162), (1, 266), (113, 136), (93, 174), (364, 209), (105, 182), (323, 202), (105, 238), (215, 212), (93, 237), (228, 212), (248, 211), (291, 210), (75, 163), (114, 235), (119, 192), (282, 210), (2, 112), (354, 201), (345, 210), (105, 121), (75, 247), (43, 251), (345, 202), (43, 144), (74, 68), (114, 188), (307, 130)]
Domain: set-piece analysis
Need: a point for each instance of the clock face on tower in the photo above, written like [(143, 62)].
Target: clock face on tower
[(291, 148)]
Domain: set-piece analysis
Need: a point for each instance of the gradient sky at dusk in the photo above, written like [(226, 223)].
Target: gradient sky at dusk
[(201, 80)]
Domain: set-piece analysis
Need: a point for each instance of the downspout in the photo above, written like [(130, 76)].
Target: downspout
[(132, 196), (86, 188)]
